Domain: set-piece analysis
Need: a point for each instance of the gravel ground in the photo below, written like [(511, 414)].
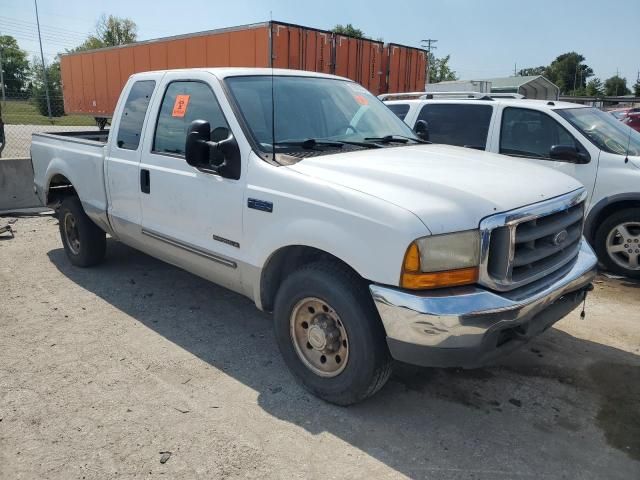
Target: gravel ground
[(19, 137), (104, 370)]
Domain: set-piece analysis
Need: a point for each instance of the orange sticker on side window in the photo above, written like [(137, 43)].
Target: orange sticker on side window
[(361, 99), (180, 106)]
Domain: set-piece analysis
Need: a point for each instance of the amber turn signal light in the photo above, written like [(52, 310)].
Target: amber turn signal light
[(412, 278)]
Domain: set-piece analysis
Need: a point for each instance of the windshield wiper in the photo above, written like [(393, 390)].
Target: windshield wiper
[(308, 144), (395, 139), (311, 143)]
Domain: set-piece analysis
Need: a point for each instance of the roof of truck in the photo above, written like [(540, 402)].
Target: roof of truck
[(542, 104), (223, 72)]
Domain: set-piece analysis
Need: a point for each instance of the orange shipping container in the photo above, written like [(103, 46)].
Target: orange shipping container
[(405, 68), (92, 80)]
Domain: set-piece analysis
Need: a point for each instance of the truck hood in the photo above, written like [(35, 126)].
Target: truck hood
[(448, 188)]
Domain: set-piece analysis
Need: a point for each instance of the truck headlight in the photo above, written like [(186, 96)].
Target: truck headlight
[(442, 261)]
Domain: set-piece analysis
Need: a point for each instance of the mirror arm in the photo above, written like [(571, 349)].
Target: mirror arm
[(214, 147)]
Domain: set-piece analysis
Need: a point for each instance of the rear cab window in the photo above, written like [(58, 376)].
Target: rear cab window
[(400, 109), (458, 124), (132, 118)]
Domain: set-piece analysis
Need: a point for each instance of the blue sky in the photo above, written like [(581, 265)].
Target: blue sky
[(485, 37)]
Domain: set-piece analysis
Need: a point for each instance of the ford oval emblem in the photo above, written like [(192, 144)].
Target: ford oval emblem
[(560, 237)]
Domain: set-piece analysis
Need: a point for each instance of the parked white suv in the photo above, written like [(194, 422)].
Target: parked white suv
[(590, 145)]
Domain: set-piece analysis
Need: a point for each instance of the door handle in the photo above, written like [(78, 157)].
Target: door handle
[(145, 181)]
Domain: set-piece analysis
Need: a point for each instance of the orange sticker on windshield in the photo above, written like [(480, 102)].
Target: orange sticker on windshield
[(180, 106), (361, 100)]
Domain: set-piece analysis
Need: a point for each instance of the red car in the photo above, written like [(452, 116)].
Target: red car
[(633, 120)]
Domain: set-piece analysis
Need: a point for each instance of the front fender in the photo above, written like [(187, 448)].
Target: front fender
[(367, 233)]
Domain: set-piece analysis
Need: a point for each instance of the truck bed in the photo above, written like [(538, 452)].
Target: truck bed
[(81, 156)]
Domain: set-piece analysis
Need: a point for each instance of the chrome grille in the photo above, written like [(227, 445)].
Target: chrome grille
[(527, 244)]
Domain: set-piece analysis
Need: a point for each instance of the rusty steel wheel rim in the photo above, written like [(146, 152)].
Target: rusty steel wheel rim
[(319, 337), (72, 237)]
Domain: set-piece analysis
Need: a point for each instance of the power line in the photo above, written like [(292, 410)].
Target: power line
[(35, 40), (49, 35), (44, 27), (29, 32)]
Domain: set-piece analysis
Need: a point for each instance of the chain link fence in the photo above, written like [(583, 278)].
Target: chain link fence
[(23, 114)]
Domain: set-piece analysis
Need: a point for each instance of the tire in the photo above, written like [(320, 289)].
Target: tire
[(339, 297), (608, 239), (84, 242)]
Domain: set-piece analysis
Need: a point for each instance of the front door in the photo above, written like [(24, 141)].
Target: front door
[(190, 218), (530, 134)]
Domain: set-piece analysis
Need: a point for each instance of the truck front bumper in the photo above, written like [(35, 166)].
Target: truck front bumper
[(470, 326)]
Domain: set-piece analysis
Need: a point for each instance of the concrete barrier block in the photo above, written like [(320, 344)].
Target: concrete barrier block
[(16, 184)]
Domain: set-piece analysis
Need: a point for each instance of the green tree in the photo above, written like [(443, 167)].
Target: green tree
[(595, 88), (348, 30), (38, 92), (110, 31), (616, 85), (636, 89), (15, 65), (569, 72), (526, 72), (439, 69)]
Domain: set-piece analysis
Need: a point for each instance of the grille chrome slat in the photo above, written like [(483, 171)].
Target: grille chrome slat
[(531, 255), (528, 233), (527, 244), (547, 264)]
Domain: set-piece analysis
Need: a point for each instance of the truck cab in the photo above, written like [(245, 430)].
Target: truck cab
[(590, 145)]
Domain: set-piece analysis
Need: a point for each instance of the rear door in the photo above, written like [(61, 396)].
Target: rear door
[(123, 156), (190, 218), (460, 124)]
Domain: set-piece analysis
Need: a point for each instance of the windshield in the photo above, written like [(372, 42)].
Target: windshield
[(603, 130), (325, 110)]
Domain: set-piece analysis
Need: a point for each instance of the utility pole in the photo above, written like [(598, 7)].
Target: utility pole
[(515, 69), (430, 44), (44, 69), (2, 79)]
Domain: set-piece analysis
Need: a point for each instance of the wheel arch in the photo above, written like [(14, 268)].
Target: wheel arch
[(286, 260), (57, 189), (606, 207)]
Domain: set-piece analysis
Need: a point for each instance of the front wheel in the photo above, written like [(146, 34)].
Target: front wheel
[(617, 242), (330, 335), (84, 242)]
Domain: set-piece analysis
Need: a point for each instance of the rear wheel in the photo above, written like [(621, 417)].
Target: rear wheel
[(330, 335), (617, 242), (84, 242)]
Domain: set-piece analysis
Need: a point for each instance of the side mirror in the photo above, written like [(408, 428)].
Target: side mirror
[(421, 130), (567, 153), (216, 152)]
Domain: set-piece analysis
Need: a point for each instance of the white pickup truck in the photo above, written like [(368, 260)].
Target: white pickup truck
[(305, 193), (590, 145)]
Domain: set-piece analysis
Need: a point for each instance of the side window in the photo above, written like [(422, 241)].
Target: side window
[(457, 124), (135, 109), (531, 133), (183, 103), (400, 109)]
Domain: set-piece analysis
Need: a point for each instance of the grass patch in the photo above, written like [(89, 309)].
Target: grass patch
[(23, 112)]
